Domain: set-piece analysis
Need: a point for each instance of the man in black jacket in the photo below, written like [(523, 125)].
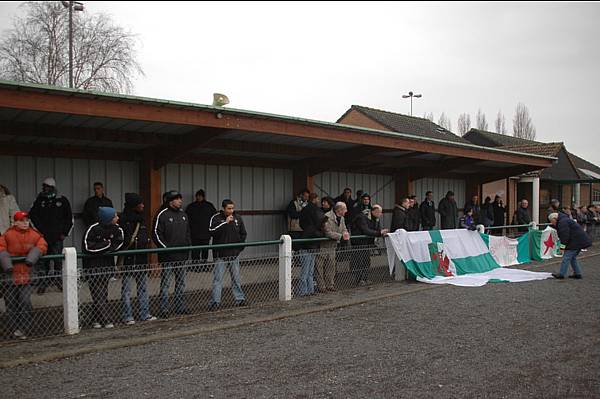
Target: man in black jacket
[(499, 211), (371, 228), (573, 238), (522, 216), (199, 213), (51, 215), (172, 229), (134, 266), (399, 217), (90, 209), (448, 212), (311, 219), (427, 210), (413, 215), (227, 227)]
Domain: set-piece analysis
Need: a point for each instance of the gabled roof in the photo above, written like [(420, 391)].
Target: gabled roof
[(406, 124), (585, 168), (548, 149), (495, 139)]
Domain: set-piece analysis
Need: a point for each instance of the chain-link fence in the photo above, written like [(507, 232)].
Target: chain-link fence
[(143, 292), (31, 306), (324, 266)]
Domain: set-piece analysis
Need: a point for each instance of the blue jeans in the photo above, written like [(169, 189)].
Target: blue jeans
[(141, 281), (234, 272), (307, 282), (165, 281), (570, 257)]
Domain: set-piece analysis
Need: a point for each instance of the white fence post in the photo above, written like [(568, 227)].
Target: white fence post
[(285, 268), (481, 228), (534, 225), (70, 292)]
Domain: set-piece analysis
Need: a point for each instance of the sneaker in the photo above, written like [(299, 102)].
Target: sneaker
[(150, 318), (96, 325), (110, 325), (19, 334), (214, 306), (241, 303), (41, 290), (362, 283), (331, 289), (558, 276), (576, 276), (129, 322), (163, 315)]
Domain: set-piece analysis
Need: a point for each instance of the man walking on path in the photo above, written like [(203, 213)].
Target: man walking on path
[(227, 227), (172, 229), (574, 239)]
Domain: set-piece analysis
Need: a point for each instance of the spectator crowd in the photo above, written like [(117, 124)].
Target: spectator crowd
[(332, 221)]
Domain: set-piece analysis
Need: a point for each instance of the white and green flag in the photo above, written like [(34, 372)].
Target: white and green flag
[(458, 257), (508, 251), (544, 244)]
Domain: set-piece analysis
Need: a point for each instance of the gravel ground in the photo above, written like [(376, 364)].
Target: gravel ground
[(539, 339)]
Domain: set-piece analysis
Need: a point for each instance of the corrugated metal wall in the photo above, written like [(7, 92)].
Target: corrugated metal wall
[(380, 187), (74, 179), (252, 189), (440, 187)]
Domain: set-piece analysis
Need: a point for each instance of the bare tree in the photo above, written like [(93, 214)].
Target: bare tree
[(428, 116), (445, 122), (522, 125), (36, 50), (464, 124), (500, 123), (481, 121)]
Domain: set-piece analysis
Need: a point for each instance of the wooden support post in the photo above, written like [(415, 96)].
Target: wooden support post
[(301, 180), (150, 182), (403, 184)]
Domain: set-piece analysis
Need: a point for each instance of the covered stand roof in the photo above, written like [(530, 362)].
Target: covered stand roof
[(50, 121), (567, 168)]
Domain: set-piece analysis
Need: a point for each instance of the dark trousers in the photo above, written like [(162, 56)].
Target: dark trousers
[(18, 306), (99, 291), (200, 254), (47, 278), (361, 263)]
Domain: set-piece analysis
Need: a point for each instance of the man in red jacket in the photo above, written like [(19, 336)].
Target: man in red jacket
[(20, 240)]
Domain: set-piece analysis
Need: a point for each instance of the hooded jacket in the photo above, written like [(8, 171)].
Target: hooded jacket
[(17, 242), (100, 239), (129, 221)]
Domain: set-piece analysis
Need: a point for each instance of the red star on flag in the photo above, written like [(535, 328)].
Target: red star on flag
[(549, 243)]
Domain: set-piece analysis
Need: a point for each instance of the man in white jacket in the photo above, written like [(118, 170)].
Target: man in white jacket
[(8, 207)]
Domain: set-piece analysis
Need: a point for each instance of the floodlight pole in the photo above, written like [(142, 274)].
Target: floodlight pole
[(411, 95), (78, 7)]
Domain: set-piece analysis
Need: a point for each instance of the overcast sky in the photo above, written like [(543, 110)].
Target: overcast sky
[(316, 59)]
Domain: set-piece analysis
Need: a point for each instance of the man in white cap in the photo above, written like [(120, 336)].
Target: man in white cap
[(51, 215)]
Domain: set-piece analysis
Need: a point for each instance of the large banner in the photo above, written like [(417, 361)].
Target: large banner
[(458, 257)]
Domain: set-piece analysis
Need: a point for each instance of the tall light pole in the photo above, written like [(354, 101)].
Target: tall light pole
[(411, 95), (77, 6)]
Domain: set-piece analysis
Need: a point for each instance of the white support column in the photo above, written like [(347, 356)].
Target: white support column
[(577, 194), (70, 292), (535, 199), (285, 268)]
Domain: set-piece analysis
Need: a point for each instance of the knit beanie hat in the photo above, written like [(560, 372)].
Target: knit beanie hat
[(106, 214)]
